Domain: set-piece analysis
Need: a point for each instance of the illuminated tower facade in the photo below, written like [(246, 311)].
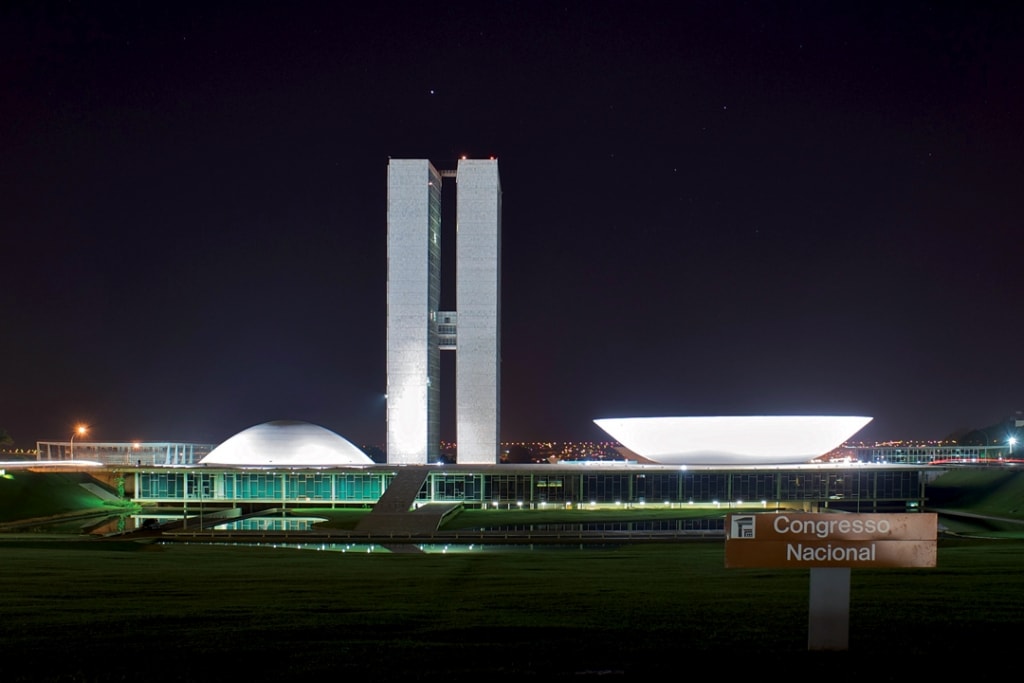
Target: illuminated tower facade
[(417, 332)]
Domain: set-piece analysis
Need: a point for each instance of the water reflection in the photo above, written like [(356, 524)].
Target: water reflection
[(701, 524), (270, 524), (425, 548), (107, 525)]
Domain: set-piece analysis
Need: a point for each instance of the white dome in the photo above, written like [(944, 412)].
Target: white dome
[(286, 443), (744, 440)]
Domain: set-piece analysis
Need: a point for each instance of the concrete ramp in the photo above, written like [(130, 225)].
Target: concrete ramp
[(394, 511), (402, 491), (100, 492)]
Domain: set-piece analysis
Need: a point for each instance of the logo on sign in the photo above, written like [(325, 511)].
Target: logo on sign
[(743, 526)]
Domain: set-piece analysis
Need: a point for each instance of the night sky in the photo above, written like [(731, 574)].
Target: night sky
[(709, 208)]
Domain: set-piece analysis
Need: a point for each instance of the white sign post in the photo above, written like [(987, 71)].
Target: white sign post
[(828, 623), (830, 545)]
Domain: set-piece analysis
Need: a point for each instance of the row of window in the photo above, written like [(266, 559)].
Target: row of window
[(677, 487), (528, 489), (355, 488)]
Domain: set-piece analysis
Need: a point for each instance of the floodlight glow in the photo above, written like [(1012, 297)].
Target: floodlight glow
[(407, 419), (732, 440)]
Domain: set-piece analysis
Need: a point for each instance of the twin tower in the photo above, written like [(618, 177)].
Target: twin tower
[(418, 331)]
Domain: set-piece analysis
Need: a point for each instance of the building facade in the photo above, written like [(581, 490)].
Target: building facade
[(417, 331), (928, 454), (413, 297), (478, 299), (137, 453), (860, 488)]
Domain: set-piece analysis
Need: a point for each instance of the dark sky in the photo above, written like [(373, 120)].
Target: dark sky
[(708, 208)]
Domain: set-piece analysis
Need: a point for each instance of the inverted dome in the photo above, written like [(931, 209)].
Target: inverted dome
[(741, 440), (286, 443)]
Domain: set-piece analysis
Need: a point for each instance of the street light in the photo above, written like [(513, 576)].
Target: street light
[(1013, 442), (79, 430)]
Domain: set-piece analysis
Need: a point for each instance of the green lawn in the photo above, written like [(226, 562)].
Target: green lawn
[(998, 491), (115, 611), (26, 495), (95, 610)]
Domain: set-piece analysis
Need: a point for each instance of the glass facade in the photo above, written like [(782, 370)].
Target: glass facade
[(139, 454), (856, 488), (924, 454), (260, 486)]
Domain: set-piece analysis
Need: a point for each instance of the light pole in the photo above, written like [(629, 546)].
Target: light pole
[(79, 430), (1012, 441)]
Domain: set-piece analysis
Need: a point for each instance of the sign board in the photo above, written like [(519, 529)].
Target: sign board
[(801, 540)]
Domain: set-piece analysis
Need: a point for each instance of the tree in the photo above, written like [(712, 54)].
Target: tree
[(5, 438)]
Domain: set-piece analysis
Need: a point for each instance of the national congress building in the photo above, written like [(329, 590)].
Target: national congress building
[(757, 461)]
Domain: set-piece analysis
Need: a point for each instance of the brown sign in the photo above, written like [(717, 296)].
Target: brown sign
[(804, 540)]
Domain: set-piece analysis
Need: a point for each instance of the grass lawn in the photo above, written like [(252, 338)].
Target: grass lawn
[(115, 611), (26, 495), (103, 610)]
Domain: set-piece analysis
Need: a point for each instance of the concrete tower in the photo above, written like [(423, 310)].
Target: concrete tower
[(417, 331), (414, 292)]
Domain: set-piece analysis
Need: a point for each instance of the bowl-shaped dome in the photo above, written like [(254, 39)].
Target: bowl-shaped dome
[(743, 440), (286, 443)]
